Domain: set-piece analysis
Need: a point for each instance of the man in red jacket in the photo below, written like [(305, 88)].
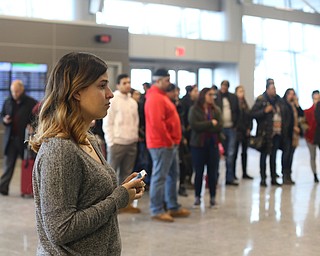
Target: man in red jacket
[(163, 135)]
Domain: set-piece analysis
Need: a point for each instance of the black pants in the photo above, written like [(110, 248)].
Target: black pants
[(287, 159), (276, 141), (13, 152), (244, 149), (185, 163)]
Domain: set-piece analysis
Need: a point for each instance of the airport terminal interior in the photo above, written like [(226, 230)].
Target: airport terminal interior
[(249, 219), (200, 42)]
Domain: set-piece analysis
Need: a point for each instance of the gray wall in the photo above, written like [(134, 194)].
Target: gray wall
[(41, 41), (38, 41), (233, 61)]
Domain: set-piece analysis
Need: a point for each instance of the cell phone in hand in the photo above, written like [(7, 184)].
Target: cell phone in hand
[(140, 175)]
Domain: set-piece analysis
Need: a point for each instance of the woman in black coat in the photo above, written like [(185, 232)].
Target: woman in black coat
[(244, 127)]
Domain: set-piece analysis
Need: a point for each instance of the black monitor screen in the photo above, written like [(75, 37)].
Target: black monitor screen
[(32, 75), (5, 68)]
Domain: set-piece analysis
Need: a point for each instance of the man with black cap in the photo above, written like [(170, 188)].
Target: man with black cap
[(163, 136)]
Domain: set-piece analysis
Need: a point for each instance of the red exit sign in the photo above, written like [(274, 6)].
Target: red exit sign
[(180, 51), (103, 39)]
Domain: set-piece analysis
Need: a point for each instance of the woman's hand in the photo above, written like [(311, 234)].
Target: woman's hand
[(135, 188), (214, 122)]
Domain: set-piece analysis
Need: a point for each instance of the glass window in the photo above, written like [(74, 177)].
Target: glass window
[(190, 24), (311, 35), (185, 78), (163, 20), (214, 31), (52, 10), (123, 13), (296, 37), (275, 34), (140, 76), (307, 79), (276, 65), (205, 78), (173, 77), (305, 6), (44, 9), (252, 30), (290, 54), (273, 3)]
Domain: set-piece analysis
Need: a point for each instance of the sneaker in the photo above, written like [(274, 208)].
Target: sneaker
[(130, 209), (4, 193), (247, 177), (183, 192), (288, 182), (180, 213), (275, 183), (164, 217), (263, 183), (197, 202), (232, 183), (212, 203)]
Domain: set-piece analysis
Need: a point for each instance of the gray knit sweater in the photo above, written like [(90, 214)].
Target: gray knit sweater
[(76, 201)]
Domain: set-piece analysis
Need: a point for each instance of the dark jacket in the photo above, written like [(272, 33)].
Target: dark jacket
[(186, 103), (23, 112), (233, 100), (200, 125), (290, 119), (317, 133), (142, 118), (265, 120), (244, 122)]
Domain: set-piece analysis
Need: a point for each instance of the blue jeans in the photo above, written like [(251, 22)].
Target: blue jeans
[(165, 173), (144, 161), (229, 146)]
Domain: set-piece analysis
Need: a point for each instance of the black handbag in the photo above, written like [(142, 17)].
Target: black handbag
[(256, 142)]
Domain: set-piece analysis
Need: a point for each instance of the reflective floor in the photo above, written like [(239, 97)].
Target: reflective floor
[(249, 220)]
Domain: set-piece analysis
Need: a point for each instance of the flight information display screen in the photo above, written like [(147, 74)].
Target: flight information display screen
[(5, 68), (33, 76)]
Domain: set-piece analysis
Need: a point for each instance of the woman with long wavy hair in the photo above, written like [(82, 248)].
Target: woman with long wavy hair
[(75, 189)]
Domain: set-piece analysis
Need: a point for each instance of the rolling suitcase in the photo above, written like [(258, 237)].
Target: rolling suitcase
[(26, 171), (26, 177)]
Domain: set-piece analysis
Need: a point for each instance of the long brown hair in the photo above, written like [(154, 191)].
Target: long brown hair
[(202, 98), (60, 111), (243, 104)]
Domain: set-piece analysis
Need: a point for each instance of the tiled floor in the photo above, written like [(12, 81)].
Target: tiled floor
[(249, 221)]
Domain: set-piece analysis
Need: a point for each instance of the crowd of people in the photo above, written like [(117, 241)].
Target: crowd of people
[(180, 140), (91, 142), (214, 117)]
